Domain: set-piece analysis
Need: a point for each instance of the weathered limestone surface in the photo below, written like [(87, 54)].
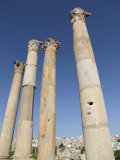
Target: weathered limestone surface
[(47, 120), (11, 112), (25, 124), (94, 119)]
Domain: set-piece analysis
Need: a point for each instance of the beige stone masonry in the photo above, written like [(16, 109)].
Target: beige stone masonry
[(94, 118), (11, 112), (47, 119), (25, 125)]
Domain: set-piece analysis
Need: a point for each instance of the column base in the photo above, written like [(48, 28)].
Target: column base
[(4, 157), (24, 141), (23, 158)]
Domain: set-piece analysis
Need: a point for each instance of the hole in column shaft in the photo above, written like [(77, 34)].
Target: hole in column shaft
[(90, 103)]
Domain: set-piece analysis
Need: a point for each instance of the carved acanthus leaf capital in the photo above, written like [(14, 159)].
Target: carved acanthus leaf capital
[(51, 44), (34, 45), (19, 66), (78, 14)]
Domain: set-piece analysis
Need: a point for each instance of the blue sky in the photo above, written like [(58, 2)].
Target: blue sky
[(21, 21)]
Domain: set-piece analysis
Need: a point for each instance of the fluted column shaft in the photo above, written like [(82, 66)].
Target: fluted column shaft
[(25, 124), (11, 112), (94, 119), (47, 119)]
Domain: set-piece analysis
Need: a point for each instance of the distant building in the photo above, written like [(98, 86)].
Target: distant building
[(70, 148)]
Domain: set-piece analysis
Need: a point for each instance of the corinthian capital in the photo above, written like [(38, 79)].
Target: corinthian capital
[(78, 14), (34, 45), (51, 44), (19, 66)]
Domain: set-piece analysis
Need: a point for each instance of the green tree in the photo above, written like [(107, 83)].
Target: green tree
[(61, 147), (117, 155)]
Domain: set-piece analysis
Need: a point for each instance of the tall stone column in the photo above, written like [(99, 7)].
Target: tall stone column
[(94, 119), (25, 124), (47, 119), (11, 112)]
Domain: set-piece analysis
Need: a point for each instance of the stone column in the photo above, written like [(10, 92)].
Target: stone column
[(11, 112), (47, 120), (94, 119), (25, 124)]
